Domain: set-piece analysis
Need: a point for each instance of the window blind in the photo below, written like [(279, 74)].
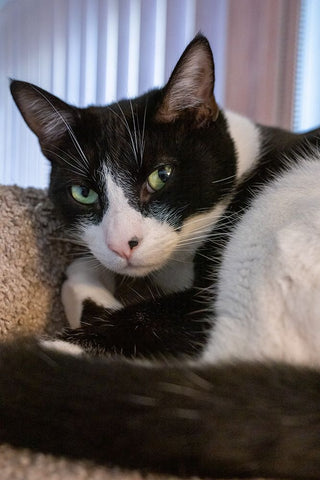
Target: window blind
[(98, 51), (307, 94), (91, 52)]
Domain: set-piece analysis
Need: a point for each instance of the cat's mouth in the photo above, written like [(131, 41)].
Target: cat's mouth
[(138, 270), (135, 267)]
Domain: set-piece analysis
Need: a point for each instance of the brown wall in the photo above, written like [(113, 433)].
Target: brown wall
[(261, 59)]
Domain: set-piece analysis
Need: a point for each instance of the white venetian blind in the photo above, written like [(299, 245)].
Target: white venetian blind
[(92, 51), (307, 98)]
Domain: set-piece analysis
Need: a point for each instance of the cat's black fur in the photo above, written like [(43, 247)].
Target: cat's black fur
[(241, 420), (208, 421)]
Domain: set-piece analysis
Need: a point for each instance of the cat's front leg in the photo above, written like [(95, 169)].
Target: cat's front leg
[(87, 280), (170, 326)]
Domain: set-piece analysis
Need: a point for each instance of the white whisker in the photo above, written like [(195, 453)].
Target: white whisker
[(70, 131), (142, 140), (134, 130), (73, 168)]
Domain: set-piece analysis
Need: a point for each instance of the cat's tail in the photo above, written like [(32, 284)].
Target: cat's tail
[(231, 420)]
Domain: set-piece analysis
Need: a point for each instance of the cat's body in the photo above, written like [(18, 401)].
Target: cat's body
[(156, 187), (268, 301)]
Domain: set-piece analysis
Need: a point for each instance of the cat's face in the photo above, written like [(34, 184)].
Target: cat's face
[(140, 181)]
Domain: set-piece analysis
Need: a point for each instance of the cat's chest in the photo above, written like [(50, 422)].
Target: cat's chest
[(171, 279), (175, 276)]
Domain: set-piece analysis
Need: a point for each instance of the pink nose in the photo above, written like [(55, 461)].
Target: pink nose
[(124, 250)]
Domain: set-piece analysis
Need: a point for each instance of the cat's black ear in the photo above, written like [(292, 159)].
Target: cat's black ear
[(191, 85), (46, 115)]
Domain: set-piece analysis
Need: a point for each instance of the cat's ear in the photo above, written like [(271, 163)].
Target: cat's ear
[(190, 87), (46, 115)]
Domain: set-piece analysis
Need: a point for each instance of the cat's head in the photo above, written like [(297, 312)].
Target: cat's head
[(140, 180)]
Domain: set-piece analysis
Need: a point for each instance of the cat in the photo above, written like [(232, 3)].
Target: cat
[(208, 204), (152, 187), (245, 408)]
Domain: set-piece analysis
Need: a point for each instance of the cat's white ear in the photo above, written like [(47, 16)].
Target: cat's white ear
[(46, 115), (190, 87)]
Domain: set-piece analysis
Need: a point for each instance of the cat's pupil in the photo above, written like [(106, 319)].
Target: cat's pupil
[(163, 175), (85, 191)]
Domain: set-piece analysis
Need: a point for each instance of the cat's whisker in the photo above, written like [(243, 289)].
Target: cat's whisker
[(158, 291), (142, 139), (208, 231), (134, 131), (206, 257), (200, 310), (66, 240), (223, 219), (198, 234), (206, 222), (70, 131), (138, 294), (78, 148), (199, 230), (126, 124), (198, 238), (231, 177), (73, 168), (78, 161)]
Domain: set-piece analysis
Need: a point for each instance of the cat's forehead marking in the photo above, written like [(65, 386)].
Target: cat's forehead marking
[(116, 186), (115, 193)]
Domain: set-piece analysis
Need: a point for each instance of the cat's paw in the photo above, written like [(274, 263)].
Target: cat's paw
[(62, 346), (84, 283)]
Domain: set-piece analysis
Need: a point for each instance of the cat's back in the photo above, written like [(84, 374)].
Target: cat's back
[(268, 302)]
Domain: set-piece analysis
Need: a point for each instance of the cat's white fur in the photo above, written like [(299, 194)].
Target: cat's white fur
[(268, 303), (247, 141), (62, 346), (162, 250), (86, 280)]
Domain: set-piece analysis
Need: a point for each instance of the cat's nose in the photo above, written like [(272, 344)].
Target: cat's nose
[(124, 250), (134, 242)]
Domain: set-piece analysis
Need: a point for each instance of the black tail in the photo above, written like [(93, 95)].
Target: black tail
[(241, 420)]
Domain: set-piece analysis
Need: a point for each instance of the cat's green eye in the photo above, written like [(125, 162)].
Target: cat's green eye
[(158, 178), (83, 194)]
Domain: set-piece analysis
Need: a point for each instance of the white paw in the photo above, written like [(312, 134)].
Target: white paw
[(62, 346), (84, 283)]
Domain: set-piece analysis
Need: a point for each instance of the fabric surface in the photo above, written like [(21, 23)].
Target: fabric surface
[(33, 258)]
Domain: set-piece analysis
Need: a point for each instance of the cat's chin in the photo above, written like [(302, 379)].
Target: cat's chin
[(130, 269), (136, 270)]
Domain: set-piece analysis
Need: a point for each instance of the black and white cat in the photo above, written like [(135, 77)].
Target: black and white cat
[(145, 183), (159, 187)]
